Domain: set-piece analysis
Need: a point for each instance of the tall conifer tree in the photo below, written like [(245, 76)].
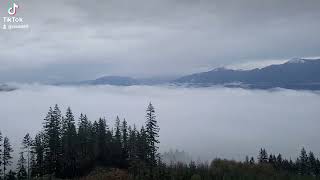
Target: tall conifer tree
[(27, 148), (263, 156), (69, 142), (152, 132), (83, 136), (52, 131), (6, 156), (1, 145), (21, 169), (124, 133), (117, 146), (39, 150), (303, 162)]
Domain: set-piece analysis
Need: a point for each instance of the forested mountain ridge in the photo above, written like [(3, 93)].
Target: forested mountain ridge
[(294, 74)]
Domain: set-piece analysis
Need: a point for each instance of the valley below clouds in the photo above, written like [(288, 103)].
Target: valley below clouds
[(205, 122)]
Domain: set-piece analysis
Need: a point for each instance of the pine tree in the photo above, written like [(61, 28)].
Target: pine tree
[(1, 144), (124, 132), (312, 164), (303, 162), (117, 131), (132, 144), (104, 139), (52, 131), (33, 165), (279, 162), (90, 142), (271, 160), (318, 167), (143, 164), (263, 156), (39, 150), (83, 136), (69, 142), (95, 138), (102, 136), (133, 151), (27, 148), (117, 146), (6, 156), (143, 146), (22, 173), (86, 137), (152, 132), (252, 162)]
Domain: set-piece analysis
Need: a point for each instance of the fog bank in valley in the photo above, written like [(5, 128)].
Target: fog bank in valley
[(205, 122)]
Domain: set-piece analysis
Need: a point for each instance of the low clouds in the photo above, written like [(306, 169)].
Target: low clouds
[(153, 37), (206, 122)]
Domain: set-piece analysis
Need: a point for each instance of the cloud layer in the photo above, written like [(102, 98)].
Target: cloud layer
[(206, 122)]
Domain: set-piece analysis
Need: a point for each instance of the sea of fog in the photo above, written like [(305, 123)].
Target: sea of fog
[(205, 122)]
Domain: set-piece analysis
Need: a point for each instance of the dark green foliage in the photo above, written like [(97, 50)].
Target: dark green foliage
[(86, 144), (11, 175), (263, 156), (104, 141), (1, 144), (52, 141), (6, 155), (38, 151), (302, 162), (152, 134), (251, 160), (117, 145), (33, 165), (312, 164), (64, 150), (69, 145), (84, 137), (125, 150), (21, 169), (133, 157), (27, 147)]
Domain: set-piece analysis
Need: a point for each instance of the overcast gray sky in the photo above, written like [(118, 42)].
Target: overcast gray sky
[(77, 39)]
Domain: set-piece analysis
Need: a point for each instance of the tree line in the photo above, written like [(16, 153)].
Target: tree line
[(264, 167), (67, 147)]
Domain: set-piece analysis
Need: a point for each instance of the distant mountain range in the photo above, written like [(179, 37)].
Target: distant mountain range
[(112, 80), (121, 81), (5, 87), (296, 73)]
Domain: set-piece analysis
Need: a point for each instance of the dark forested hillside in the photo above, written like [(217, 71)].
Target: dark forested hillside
[(5, 87), (294, 74), (112, 80), (77, 148)]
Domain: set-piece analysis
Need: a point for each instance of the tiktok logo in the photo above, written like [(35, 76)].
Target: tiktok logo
[(13, 9), (12, 22)]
